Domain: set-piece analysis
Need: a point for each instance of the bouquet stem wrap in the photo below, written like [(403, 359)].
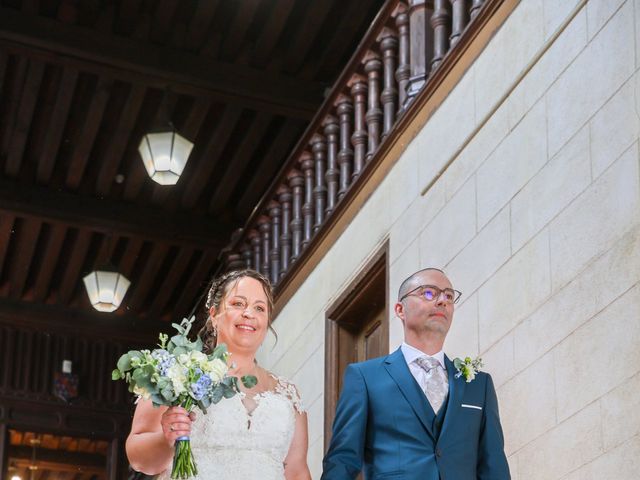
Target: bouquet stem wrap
[(184, 465)]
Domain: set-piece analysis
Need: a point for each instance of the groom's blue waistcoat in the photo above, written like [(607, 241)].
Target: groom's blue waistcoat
[(385, 426)]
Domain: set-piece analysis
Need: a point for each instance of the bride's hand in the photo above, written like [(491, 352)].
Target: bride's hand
[(176, 422)]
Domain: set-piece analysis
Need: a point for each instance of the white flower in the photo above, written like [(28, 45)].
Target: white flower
[(178, 378), (141, 392), (216, 369)]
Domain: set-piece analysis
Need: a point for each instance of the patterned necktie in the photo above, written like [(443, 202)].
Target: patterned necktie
[(436, 385)]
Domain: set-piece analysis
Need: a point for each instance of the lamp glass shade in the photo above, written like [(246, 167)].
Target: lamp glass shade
[(106, 289), (164, 156)]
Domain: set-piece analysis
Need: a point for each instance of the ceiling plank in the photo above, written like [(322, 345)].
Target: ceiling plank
[(119, 140), (56, 125), (349, 29), (73, 271), (12, 97), (131, 254), (196, 286), (271, 31), (306, 33), (200, 23), (211, 155), (52, 253), (170, 282), (23, 118), (87, 134), (6, 230), (26, 240), (140, 288), (239, 161), (234, 40), (143, 62), (271, 163), (153, 224)]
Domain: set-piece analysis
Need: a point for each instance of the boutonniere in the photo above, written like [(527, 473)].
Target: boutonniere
[(467, 367)]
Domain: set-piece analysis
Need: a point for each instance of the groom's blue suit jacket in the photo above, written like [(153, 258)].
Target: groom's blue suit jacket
[(385, 426)]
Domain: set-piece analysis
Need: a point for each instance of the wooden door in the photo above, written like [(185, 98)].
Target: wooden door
[(357, 329)]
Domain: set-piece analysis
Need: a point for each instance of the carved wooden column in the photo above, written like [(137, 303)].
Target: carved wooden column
[(459, 20), (389, 47), (373, 68), (246, 255), (306, 165), (285, 196), (264, 225), (404, 67), (420, 46), (254, 239), (475, 7), (359, 138), (440, 23), (274, 212), (345, 155), (296, 181), (319, 149), (331, 130), (233, 261)]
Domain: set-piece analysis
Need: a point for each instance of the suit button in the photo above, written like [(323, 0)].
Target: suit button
[(438, 453)]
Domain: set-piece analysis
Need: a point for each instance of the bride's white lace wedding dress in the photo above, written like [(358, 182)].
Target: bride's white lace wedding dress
[(243, 438)]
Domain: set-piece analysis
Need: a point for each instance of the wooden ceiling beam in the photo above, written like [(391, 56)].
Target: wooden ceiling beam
[(141, 62), (112, 217), (114, 326)]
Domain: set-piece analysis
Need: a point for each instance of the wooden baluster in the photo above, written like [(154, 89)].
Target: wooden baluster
[(306, 165), (388, 46), (246, 255), (345, 154), (296, 181), (475, 7), (359, 137), (254, 239), (274, 212), (440, 22), (420, 46), (285, 196), (264, 225), (404, 65), (373, 68), (233, 261), (459, 21), (319, 149), (331, 130)]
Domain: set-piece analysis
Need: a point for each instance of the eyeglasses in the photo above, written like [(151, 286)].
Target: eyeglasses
[(431, 293)]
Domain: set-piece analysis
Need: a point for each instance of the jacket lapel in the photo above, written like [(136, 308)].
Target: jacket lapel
[(399, 371), (456, 393)]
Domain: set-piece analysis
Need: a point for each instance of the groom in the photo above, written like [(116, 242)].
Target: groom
[(408, 415)]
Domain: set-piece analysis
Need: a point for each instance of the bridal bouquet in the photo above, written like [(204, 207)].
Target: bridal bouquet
[(178, 373)]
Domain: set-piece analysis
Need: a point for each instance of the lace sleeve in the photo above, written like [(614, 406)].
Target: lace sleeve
[(289, 390)]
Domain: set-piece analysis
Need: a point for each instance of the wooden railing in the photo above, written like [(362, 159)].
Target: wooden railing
[(405, 47)]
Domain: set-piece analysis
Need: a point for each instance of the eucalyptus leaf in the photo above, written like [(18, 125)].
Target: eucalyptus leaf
[(249, 381)]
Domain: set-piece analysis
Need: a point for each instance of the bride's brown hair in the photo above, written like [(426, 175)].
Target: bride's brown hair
[(218, 289)]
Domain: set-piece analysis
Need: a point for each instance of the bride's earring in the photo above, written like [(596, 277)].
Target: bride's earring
[(214, 330)]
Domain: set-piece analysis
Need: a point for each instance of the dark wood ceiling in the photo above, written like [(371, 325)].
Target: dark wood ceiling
[(81, 81)]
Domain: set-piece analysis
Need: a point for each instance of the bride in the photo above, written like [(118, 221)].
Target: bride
[(260, 433)]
